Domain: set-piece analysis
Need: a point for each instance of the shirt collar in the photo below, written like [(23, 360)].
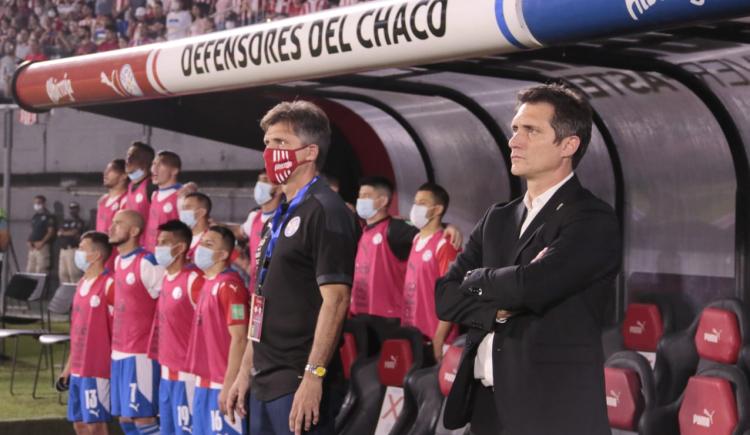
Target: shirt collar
[(131, 253), (174, 186), (540, 201)]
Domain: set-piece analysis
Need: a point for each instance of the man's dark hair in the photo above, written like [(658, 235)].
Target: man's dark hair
[(439, 194), (41, 198), (377, 182), (170, 159), (308, 121), (143, 153), (203, 200), (572, 116), (100, 242), (182, 232), (86, 29), (227, 237), (118, 165)]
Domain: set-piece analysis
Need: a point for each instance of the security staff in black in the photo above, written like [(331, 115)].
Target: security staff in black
[(304, 284), (40, 240), (68, 236)]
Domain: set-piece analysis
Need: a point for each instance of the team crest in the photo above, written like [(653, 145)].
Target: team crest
[(139, 198), (292, 226), (377, 239), (95, 301), (130, 279), (427, 256), (177, 293), (167, 207)]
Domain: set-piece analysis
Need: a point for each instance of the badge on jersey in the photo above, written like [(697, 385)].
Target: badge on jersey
[(256, 317)]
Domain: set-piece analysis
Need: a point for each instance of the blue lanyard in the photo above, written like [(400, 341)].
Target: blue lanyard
[(279, 219)]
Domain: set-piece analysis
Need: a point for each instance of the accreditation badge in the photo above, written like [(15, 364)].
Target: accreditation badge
[(257, 305)]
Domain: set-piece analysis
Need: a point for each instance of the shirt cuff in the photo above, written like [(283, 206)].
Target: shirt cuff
[(334, 278)]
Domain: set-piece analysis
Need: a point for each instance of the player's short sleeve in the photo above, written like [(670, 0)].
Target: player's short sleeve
[(233, 298)]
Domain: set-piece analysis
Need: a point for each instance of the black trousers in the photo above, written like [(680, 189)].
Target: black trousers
[(484, 418)]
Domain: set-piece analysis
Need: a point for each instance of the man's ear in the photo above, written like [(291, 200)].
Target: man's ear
[(570, 145), (312, 155), (439, 210)]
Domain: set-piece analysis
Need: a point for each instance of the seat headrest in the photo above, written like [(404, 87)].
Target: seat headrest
[(718, 336), (348, 353), (448, 368), (624, 399), (643, 327), (708, 407), (396, 359)]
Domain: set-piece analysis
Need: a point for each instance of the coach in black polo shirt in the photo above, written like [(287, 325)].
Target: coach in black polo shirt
[(304, 283)]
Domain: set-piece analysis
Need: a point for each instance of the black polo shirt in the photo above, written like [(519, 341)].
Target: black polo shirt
[(316, 246), (71, 241), (40, 222)]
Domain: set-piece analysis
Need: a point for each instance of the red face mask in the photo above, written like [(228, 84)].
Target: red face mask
[(280, 164)]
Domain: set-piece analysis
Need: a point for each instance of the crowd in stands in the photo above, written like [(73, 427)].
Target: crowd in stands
[(39, 30)]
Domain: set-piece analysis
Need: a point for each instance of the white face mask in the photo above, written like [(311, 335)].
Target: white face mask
[(188, 218), (79, 258), (38, 207), (262, 192), (418, 216), (366, 208), (163, 255)]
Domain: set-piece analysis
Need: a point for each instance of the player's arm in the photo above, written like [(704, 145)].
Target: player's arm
[(235, 401), (446, 255), (233, 297), (237, 349)]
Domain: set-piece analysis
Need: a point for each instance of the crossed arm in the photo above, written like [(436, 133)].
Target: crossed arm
[(587, 249)]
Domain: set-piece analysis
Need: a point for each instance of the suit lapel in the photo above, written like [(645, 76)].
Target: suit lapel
[(553, 205)]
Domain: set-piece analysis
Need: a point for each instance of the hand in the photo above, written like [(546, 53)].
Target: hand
[(187, 189), (306, 405), (63, 381), (223, 399), (540, 255), (437, 350), (454, 236), (235, 401), (503, 315)]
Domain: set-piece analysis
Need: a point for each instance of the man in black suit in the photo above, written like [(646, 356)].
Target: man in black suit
[(533, 285)]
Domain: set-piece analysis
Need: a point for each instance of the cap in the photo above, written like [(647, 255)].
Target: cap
[(73, 204)]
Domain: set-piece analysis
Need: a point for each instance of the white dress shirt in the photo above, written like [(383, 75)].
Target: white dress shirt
[(483, 360)]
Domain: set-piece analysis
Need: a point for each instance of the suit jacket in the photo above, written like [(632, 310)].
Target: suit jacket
[(547, 359)]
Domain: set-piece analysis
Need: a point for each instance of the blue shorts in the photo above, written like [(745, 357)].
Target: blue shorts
[(135, 384), (208, 419), (88, 400), (175, 407)]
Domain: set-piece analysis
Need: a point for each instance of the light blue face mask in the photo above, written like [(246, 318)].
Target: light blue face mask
[(136, 175), (204, 258), (163, 255), (366, 208), (188, 217), (80, 260), (262, 192)]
